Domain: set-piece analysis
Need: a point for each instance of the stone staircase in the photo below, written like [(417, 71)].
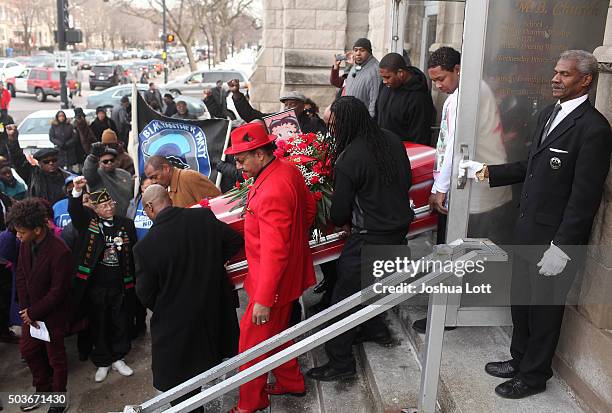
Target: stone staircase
[(388, 378)]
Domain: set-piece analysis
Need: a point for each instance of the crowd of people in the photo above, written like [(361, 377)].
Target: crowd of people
[(86, 264)]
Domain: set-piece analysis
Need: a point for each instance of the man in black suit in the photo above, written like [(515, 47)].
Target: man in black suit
[(563, 180)]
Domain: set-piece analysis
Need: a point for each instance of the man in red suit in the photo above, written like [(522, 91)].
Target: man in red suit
[(278, 216)]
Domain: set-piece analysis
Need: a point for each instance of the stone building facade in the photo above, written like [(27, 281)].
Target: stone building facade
[(300, 40)]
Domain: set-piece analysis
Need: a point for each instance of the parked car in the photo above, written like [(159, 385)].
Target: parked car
[(111, 98), (34, 129), (329, 248), (41, 60), (194, 83), (40, 81), (10, 68), (106, 75)]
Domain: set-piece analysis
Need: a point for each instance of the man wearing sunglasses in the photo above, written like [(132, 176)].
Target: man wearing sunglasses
[(101, 171), (45, 180), (104, 282)]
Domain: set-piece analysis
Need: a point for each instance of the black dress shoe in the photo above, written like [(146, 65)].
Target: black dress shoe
[(517, 389), (382, 338), (420, 325), (320, 287), (501, 369), (328, 373)]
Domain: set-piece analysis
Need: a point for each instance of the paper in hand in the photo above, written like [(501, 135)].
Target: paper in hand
[(41, 332)]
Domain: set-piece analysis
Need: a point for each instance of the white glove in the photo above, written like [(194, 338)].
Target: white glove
[(469, 167), (553, 261)]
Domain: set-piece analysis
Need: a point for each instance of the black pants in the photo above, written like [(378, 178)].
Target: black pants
[(339, 350), (537, 314), (330, 275), (84, 344), (441, 232), (108, 325), (6, 285)]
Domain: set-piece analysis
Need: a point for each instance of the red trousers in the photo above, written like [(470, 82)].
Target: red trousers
[(288, 375), (45, 359)]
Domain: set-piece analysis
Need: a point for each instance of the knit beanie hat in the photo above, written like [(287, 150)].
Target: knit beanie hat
[(109, 136), (365, 43)]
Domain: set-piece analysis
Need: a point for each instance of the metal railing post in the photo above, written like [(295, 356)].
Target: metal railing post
[(432, 353)]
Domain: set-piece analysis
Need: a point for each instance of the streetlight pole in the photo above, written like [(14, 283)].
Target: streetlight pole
[(62, 25), (165, 53)]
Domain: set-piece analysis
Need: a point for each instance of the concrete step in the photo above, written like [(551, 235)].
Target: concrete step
[(393, 373), (464, 385)]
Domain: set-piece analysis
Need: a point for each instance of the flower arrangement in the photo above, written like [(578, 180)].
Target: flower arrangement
[(309, 153)]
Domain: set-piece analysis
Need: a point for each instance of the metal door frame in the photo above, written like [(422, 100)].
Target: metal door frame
[(472, 57)]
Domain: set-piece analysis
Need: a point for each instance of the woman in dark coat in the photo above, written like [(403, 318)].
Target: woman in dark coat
[(65, 138)]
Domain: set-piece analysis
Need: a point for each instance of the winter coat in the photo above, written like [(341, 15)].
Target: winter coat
[(40, 184), (408, 110), (86, 137), (97, 127), (184, 283), (66, 140)]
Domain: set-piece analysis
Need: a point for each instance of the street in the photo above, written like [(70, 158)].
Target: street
[(24, 104)]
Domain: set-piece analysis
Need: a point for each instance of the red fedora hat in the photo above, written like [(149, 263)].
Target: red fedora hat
[(248, 137)]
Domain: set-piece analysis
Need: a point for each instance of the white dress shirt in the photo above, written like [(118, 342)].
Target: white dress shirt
[(566, 109)]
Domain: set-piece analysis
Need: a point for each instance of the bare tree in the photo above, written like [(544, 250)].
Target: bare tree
[(216, 20), (180, 20), (26, 16)]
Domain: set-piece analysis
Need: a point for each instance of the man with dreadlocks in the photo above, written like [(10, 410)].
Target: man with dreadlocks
[(371, 183), (104, 283)]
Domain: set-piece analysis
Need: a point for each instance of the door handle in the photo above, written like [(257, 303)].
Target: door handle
[(465, 155)]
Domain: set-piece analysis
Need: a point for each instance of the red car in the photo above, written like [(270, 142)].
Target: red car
[(329, 248), (40, 81)]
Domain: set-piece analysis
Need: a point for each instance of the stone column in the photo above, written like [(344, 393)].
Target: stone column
[(300, 40), (266, 78), (450, 25), (380, 22), (357, 21), (584, 354)]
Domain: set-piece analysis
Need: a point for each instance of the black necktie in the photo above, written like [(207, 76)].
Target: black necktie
[(553, 115)]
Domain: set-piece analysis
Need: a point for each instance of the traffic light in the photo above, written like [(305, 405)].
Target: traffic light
[(170, 38)]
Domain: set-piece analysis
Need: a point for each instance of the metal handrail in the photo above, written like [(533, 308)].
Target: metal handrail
[(467, 250)]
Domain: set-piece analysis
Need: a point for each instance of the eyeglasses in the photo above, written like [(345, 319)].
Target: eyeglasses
[(48, 161), (107, 161)]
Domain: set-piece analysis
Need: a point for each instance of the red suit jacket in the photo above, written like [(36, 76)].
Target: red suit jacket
[(279, 213)]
